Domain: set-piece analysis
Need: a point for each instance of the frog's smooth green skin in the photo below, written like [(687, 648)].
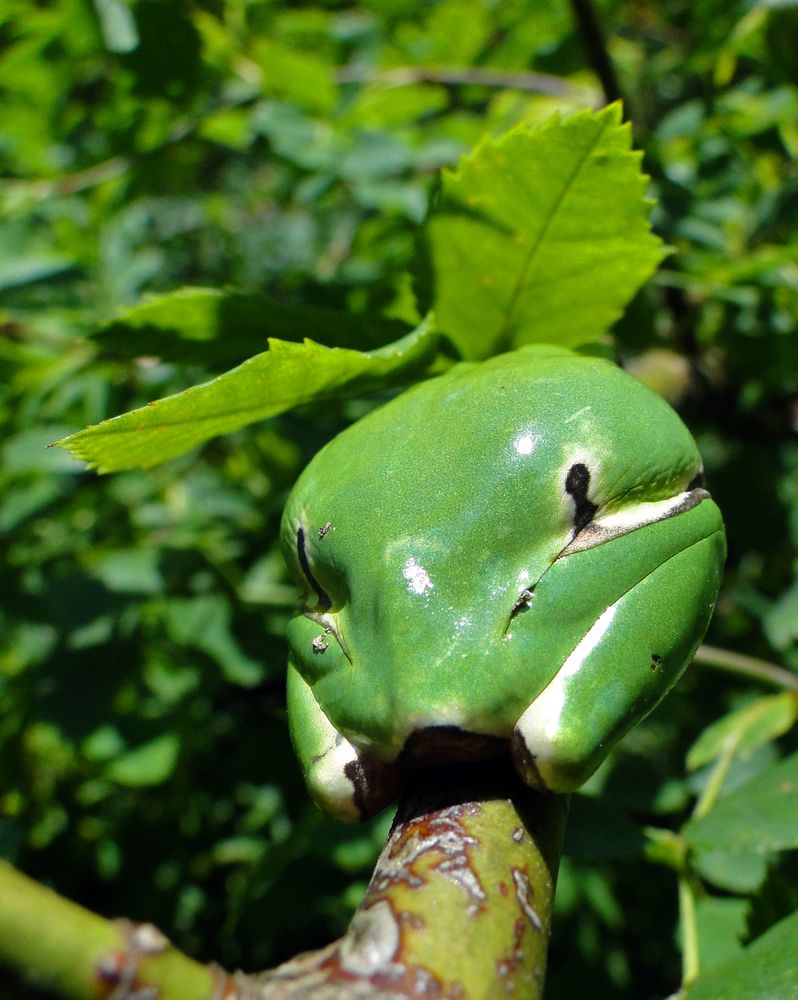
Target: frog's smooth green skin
[(519, 550)]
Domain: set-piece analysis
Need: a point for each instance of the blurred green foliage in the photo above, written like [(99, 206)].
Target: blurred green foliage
[(291, 150)]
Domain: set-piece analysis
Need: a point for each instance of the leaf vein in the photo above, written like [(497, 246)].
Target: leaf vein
[(529, 257)]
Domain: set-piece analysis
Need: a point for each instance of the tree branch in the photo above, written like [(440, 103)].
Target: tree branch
[(746, 666), (459, 904), (460, 900), (72, 953), (596, 50), (401, 76)]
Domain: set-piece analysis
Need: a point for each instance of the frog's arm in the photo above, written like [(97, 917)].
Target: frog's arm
[(628, 659), (343, 781)]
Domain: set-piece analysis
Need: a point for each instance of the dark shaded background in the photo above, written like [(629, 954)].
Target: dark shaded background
[(291, 148)]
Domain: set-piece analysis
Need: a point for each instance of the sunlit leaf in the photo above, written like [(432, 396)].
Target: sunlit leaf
[(300, 76), (541, 235), (746, 729), (286, 376), (150, 763)]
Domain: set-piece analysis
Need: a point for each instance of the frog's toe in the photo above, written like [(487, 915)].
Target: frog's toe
[(540, 757), (348, 783)]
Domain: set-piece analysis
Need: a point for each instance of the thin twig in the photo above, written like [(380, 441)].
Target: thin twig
[(402, 76), (596, 47), (689, 930), (77, 955), (746, 666)]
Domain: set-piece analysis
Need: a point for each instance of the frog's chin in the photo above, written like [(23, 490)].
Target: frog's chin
[(448, 744), (353, 784)]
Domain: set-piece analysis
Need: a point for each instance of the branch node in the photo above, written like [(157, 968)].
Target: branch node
[(118, 970)]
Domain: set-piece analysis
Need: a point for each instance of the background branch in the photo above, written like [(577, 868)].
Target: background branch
[(535, 83), (461, 895), (72, 953), (746, 666), (596, 50)]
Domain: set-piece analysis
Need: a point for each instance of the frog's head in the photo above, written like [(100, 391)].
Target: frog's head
[(520, 551)]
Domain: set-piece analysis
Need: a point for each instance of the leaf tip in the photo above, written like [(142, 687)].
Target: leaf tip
[(614, 111)]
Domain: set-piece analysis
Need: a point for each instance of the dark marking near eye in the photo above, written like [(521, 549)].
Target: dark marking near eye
[(697, 481), (656, 661), (576, 484), (302, 556)]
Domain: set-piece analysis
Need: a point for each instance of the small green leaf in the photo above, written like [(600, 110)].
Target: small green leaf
[(282, 378), (17, 272), (735, 871), (722, 926), (746, 729), (150, 763), (118, 25), (541, 235), (204, 622), (781, 621), (766, 970), (759, 816), (217, 328), (26, 452), (299, 76), (131, 571)]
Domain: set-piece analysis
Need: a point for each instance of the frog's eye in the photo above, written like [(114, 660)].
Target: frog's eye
[(577, 483), (590, 531), (324, 600)]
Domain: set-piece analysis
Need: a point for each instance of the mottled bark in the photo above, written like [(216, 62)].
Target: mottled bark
[(459, 905)]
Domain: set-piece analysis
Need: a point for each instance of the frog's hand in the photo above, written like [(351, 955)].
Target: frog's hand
[(634, 652), (345, 782)]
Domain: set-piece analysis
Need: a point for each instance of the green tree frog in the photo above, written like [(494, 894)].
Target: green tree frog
[(519, 552)]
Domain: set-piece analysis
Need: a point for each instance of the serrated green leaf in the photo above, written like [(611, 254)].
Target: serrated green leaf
[(747, 728), (760, 816), (541, 235), (282, 378), (766, 970), (218, 328)]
